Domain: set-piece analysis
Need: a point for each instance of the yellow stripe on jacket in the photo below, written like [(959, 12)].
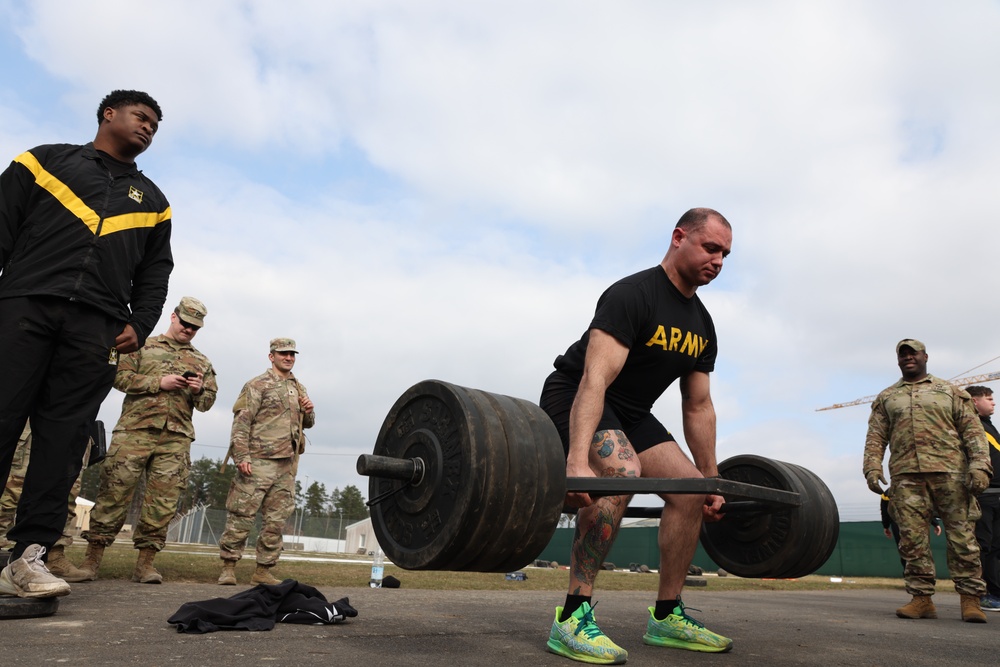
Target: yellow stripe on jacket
[(993, 441), (77, 207)]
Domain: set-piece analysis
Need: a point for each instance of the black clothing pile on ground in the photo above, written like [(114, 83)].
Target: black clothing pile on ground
[(259, 608)]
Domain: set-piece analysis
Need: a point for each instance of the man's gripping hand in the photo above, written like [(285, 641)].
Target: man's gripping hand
[(875, 478), (710, 510), (977, 481), (127, 341), (581, 499)]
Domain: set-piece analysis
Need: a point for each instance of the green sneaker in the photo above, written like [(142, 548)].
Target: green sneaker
[(678, 630), (579, 638)]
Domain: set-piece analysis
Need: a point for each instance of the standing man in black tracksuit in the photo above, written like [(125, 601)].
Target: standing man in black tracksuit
[(988, 525), (84, 264)]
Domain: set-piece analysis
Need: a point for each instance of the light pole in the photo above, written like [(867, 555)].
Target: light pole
[(303, 515)]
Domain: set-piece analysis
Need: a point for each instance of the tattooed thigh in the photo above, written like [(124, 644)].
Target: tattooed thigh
[(612, 455)]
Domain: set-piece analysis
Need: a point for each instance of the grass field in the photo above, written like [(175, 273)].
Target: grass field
[(200, 564)]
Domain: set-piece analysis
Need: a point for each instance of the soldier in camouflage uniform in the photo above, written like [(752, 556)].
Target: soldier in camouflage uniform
[(267, 438), (938, 463), (164, 382), (55, 559)]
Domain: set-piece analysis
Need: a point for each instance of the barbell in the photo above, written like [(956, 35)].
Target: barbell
[(463, 479)]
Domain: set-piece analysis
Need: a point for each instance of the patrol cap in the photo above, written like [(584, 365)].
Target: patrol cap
[(911, 342), (283, 345), (192, 311)]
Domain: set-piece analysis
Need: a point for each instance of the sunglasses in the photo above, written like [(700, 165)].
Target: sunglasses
[(188, 325)]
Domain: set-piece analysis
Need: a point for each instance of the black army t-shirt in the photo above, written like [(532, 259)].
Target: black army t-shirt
[(668, 335)]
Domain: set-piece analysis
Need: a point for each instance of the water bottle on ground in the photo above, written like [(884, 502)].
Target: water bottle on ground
[(378, 569)]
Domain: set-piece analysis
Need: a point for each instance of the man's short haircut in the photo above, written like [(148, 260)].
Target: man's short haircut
[(123, 98), (697, 218), (979, 390)]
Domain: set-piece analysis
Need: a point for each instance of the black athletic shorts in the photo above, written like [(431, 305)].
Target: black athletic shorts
[(643, 432)]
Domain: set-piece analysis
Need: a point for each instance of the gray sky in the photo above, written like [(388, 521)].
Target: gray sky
[(443, 189)]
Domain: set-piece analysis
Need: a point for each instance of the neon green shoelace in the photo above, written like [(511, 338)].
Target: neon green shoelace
[(588, 625), (688, 619)]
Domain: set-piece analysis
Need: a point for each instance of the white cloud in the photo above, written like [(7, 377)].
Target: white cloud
[(534, 154)]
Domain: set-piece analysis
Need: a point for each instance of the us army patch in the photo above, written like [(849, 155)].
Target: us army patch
[(134, 193)]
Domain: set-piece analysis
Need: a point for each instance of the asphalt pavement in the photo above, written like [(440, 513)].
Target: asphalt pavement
[(123, 623)]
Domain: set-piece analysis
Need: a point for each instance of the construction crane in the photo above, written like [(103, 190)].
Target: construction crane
[(961, 382)]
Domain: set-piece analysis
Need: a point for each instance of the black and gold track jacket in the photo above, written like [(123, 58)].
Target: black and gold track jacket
[(68, 229)]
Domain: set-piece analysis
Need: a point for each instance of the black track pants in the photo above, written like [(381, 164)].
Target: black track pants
[(55, 371)]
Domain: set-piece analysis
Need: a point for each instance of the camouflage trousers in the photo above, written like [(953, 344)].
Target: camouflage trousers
[(269, 488), (914, 500), (12, 493), (165, 457)]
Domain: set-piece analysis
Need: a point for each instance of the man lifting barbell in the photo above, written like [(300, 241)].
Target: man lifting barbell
[(649, 330)]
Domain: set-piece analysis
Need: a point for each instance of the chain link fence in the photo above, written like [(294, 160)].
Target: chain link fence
[(204, 524)]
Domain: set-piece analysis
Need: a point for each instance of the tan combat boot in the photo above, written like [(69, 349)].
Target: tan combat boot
[(60, 566), (262, 575), (92, 560), (228, 576), (919, 607), (144, 572), (971, 613)]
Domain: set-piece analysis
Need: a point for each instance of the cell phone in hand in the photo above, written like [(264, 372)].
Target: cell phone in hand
[(188, 374)]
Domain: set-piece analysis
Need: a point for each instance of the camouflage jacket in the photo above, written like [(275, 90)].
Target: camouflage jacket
[(145, 404), (929, 426), (267, 419)]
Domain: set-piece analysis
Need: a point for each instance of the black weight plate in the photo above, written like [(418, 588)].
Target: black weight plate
[(548, 488), (11, 607), (486, 517), (757, 545), (517, 495), (823, 521), (493, 485), (424, 526)]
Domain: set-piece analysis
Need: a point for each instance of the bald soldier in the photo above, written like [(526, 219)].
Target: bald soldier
[(267, 438), (164, 382)]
